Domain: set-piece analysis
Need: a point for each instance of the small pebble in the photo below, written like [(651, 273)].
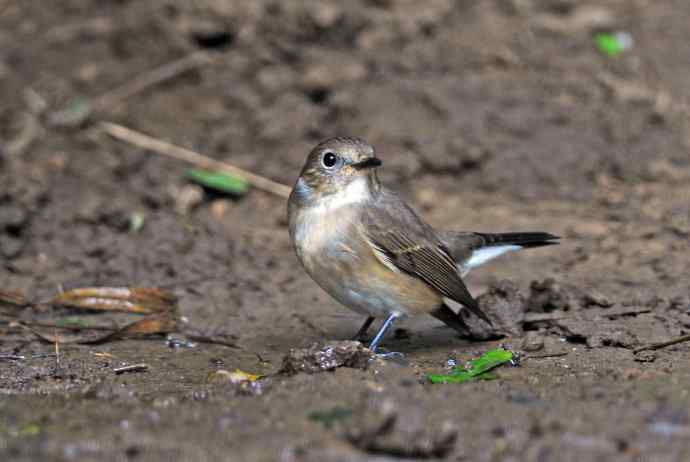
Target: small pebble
[(174, 342), (532, 342)]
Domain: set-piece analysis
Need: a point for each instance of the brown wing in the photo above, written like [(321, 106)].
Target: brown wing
[(407, 244)]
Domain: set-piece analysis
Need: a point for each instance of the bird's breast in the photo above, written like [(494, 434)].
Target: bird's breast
[(322, 239), (337, 257)]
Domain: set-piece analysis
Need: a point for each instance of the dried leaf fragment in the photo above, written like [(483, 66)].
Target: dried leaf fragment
[(144, 327), (128, 300), (15, 299), (238, 376)]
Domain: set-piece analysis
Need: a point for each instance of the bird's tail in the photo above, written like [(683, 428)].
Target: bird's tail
[(473, 249), (491, 246), (451, 319), (525, 240)]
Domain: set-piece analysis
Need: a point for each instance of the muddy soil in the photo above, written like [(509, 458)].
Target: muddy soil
[(493, 115)]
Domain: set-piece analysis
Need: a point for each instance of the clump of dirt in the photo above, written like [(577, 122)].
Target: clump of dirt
[(505, 306), (384, 426), (596, 332), (550, 295), (20, 200), (320, 357)]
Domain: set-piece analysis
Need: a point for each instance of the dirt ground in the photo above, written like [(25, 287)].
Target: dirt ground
[(488, 115)]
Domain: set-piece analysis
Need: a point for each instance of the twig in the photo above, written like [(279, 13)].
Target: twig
[(159, 146), (211, 340), (12, 358), (57, 350), (659, 345), (148, 79), (28, 133), (132, 368)]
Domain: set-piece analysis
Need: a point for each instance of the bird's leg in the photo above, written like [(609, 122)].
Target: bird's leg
[(382, 331), (362, 332)]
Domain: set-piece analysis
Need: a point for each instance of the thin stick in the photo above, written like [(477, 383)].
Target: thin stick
[(657, 346), (211, 340), (57, 350), (156, 145), (148, 79), (29, 131), (132, 368)]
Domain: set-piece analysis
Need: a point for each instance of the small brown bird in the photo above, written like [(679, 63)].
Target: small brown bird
[(370, 251)]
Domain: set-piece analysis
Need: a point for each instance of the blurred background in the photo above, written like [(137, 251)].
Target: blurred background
[(498, 115)]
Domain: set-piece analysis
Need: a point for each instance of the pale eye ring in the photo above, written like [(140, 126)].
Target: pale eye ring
[(329, 159)]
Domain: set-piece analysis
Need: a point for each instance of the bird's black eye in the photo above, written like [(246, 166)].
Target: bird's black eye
[(329, 160)]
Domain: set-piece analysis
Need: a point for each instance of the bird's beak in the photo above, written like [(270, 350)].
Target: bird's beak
[(369, 162)]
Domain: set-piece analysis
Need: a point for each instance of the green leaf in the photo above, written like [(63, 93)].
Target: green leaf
[(219, 181), (477, 369), (609, 44)]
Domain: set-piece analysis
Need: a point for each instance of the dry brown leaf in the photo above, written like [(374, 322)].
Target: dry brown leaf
[(63, 337), (147, 326), (142, 328), (159, 304), (14, 299), (129, 300)]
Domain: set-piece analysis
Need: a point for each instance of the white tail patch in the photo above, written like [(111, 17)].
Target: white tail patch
[(481, 256)]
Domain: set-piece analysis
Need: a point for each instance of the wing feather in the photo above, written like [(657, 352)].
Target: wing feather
[(402, 242)]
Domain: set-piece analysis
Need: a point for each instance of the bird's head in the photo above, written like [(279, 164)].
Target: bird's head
[(337, 166)]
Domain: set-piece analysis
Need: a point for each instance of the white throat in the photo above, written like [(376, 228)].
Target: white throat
[(357, 191)]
